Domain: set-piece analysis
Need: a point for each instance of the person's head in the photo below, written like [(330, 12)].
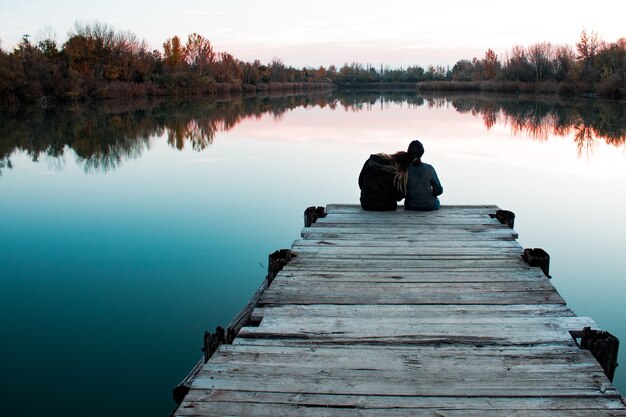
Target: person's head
[(415, 150)]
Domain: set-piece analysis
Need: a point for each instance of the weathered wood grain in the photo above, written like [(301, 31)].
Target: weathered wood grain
[(412, 403), (458, 276), (408, 330), (461, 382), (416, 242), (260, 409), (412, 311)]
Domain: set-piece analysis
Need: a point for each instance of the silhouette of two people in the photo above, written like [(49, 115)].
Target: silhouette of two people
[(386, 179)]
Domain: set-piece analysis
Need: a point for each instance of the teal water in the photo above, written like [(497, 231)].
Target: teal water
[(127, 230)]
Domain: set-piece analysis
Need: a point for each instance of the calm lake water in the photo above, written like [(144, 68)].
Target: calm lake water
[(126, 230)]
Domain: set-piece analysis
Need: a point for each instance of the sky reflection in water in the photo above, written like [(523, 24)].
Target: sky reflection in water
[(109, 279)]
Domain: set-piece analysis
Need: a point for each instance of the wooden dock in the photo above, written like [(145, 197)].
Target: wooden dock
[(405, 314)]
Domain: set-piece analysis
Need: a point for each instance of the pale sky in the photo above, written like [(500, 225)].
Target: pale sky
[(323, 32)]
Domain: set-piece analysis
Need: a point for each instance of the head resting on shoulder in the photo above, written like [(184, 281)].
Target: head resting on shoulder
[(415, 150)]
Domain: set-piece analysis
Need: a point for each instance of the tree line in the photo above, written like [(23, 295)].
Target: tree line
[(593, 66), (97, 61)]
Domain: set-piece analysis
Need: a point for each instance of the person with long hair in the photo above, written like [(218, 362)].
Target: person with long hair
[(423, 186), (383, 181)]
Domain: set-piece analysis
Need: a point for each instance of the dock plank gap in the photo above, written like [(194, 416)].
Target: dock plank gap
[(405, 313)]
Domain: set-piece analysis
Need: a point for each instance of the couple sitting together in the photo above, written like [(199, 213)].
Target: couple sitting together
[(386, 179)]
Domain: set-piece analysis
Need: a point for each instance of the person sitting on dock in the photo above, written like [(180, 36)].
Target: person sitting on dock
[(383, 181), (423, 185)]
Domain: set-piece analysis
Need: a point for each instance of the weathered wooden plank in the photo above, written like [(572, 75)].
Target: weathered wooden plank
[(442, 230), (315, 344), (415, 269), (418, 241), (445, 209), (401, 213), (291, 285), (365, 382), (416, 262), (399, 357), (407, 263), (406, 252), (355, 208), (407, 402), (360, 234), (400, 297), (432, 228), (476, 223), (496, 354), (363, 277), (409, 222), (286, 284), (426, 324), (230, 409), (460, 330), (424, 234), (366, 311)]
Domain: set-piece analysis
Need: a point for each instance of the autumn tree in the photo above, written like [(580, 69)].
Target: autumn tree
[(127, 56), (8, 78), (414, 73), (320, 74), (540, 57), (610, 62), (5, 72), (39, 69), (264, 72), (331, 72), (588, 45), (437, 73), (100, 54), (463, 70), (198, 53), (89, 49), (564, 63), (517, 67), (277, 70), (250, 72), (479, 68), (490, 64), (587, 48), (173, 54), (228, 69)]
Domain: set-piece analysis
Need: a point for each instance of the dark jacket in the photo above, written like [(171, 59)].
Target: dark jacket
[(423, 187), (376, 181)]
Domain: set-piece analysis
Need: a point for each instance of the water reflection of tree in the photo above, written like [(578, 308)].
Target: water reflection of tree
[(104, 136), (586, 120)]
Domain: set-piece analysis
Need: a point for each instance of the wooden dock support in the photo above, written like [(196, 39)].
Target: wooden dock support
[(311, 214), (538, 257), (604, 347), (276, 262), (505, 217), (407, 314)]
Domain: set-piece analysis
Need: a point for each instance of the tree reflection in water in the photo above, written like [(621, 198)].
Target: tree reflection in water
[(104, 135), (587, 120)]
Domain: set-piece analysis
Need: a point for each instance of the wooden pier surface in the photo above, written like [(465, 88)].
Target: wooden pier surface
[(406, 314)]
